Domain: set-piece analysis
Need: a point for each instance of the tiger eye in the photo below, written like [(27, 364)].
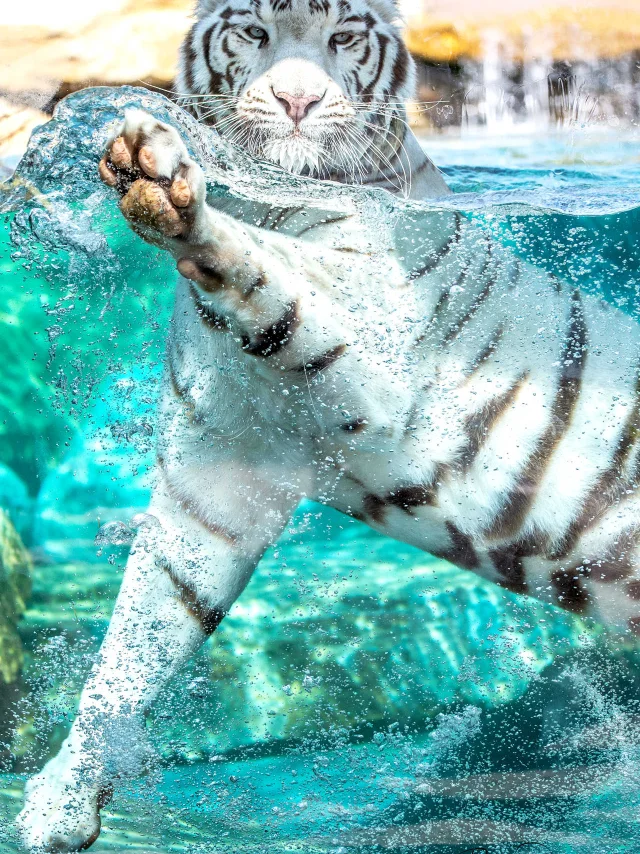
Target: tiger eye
[(342, 38), (257, 33)]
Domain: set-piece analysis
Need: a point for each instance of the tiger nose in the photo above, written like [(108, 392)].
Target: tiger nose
[(297, 106)]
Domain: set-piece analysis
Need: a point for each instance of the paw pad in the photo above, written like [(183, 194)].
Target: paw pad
[(161, 187), (148, 204)]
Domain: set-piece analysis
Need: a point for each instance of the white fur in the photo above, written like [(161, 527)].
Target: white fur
[(244, 434), (356, 133)]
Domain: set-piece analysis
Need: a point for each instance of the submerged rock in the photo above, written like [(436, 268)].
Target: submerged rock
[(15, 501), (15, 586)]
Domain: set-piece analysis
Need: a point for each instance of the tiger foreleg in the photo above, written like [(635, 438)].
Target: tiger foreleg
[(149, 636), (186, 568), (277, 295)]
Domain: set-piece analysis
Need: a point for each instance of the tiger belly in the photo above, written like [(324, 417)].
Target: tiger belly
[(523, 463)]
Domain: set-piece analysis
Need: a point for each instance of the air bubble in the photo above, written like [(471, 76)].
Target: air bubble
[(114, 534)]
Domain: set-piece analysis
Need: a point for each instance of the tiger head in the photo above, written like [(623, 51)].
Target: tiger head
[(316, 86)]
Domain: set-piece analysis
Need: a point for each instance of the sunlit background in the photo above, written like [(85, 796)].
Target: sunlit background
[(492, 65)]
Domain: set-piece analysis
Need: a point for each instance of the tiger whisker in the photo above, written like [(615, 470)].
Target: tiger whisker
[(366, 155), (402, 147), (403, 180)]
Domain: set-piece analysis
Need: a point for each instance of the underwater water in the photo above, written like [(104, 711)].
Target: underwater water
[(388, 701)]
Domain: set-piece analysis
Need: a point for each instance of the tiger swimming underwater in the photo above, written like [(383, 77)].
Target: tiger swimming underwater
[(431, 384)]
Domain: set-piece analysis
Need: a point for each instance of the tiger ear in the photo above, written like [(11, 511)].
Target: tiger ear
[(203, 7), (389, 10)]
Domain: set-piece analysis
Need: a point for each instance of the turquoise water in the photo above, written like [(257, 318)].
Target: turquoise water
[(387, 702)]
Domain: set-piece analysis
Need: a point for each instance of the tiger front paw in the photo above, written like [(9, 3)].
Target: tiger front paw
[(62, 809), (163, 190)]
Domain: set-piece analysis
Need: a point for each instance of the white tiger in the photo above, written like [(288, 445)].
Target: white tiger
[(471, 405), (319, 87)]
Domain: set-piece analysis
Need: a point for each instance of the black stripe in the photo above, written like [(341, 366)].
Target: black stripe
[(374, 507), (508, 562), (461, 553), (400, 69), (409, 497), (206, 313), (257, 284), (439, 308), (224, 43), (570, 591), (263, 222), (514, 273), (179, 391), (208, 618), (229, 12), (178, 388), (215, 78), (275, 337), (283, 216), (478, 425), (509, 519), (370, 89), (322, 362), (441, 253), (610, 486), (228, 74), (313, 225), (426, 164), (367, 19), (190, 57), (457, 328), (557, 284), (366, 56), (487, 351)]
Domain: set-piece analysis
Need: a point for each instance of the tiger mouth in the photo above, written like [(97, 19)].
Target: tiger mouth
[(295, 153)]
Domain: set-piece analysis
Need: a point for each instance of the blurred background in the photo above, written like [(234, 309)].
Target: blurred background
[(526, 64)]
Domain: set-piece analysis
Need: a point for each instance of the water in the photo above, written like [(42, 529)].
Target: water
[(387, 702)]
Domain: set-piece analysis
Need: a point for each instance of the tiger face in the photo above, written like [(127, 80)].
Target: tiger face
[(316, 86)]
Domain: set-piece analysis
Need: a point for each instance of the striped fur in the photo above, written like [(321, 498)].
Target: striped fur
[(421, 379), (504, 437), (242, 59)]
